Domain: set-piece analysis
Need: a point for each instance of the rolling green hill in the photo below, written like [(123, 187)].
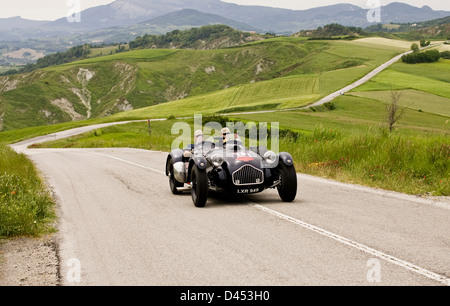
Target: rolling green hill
[(203, 38), (99, 87)]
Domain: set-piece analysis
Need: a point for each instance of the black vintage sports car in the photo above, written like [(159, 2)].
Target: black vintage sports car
[(230, 167)]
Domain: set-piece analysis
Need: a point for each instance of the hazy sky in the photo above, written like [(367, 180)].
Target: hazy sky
[(54, 9)]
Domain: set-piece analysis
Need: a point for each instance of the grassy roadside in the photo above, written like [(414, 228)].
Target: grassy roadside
[(409, 163), (26, 207)]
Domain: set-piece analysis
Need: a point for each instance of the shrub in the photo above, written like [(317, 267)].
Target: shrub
[(422, 57), (445, 54)]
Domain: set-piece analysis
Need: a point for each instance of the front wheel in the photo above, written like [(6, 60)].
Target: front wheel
[(288, 185), (199, 183)]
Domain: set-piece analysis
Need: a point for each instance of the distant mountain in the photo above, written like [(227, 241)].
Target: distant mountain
[(402, 13), (127, 13), (7, 24), (194, 18), (180, 20), (10, 27)]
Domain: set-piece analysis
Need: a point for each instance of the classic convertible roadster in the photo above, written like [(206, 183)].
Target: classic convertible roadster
[(230, 167)]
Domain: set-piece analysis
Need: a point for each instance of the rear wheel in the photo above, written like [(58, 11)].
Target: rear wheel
[(288, 185), (173, 183), (199, 184)]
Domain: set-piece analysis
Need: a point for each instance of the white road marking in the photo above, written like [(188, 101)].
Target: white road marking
[(354, 244), (401, 263), (131, 163)]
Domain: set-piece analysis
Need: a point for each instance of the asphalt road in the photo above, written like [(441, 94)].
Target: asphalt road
[(360, 82), (119, 224)]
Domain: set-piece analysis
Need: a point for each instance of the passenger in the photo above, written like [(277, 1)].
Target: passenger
[(198, 139)]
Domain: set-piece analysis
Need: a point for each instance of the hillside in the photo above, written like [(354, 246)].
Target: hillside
[(102, 86), (207, 37), (431, 29), (331, 30)]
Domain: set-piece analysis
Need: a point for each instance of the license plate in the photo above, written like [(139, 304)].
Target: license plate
[(248, 190)]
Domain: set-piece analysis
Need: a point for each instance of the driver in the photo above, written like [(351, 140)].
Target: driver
[(226, 135)]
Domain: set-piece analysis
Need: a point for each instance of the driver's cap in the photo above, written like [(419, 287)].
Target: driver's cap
[(226, 131), (198, 133)]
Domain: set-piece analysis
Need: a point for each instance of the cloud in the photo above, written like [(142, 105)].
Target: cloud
[(44, 9)]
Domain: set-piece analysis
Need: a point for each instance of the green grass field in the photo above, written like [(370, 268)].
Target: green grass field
[(95, 52), (413, 99), (432, 78), (355, 115)]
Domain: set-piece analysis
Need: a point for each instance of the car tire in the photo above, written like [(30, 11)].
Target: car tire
[(173, 183), (288, 186), (199, 183)]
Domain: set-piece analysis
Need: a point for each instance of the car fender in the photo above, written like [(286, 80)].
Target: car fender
[(286, 159), (200, 162), (176, 156)]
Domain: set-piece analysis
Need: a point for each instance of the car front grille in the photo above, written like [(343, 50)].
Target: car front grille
[(248, 175)]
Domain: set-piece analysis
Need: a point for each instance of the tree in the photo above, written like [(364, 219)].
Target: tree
[(415, 47), (424, 43), (394, 112)]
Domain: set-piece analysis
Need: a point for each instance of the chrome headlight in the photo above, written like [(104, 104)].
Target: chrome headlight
[(270, 157), (217, 160)]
